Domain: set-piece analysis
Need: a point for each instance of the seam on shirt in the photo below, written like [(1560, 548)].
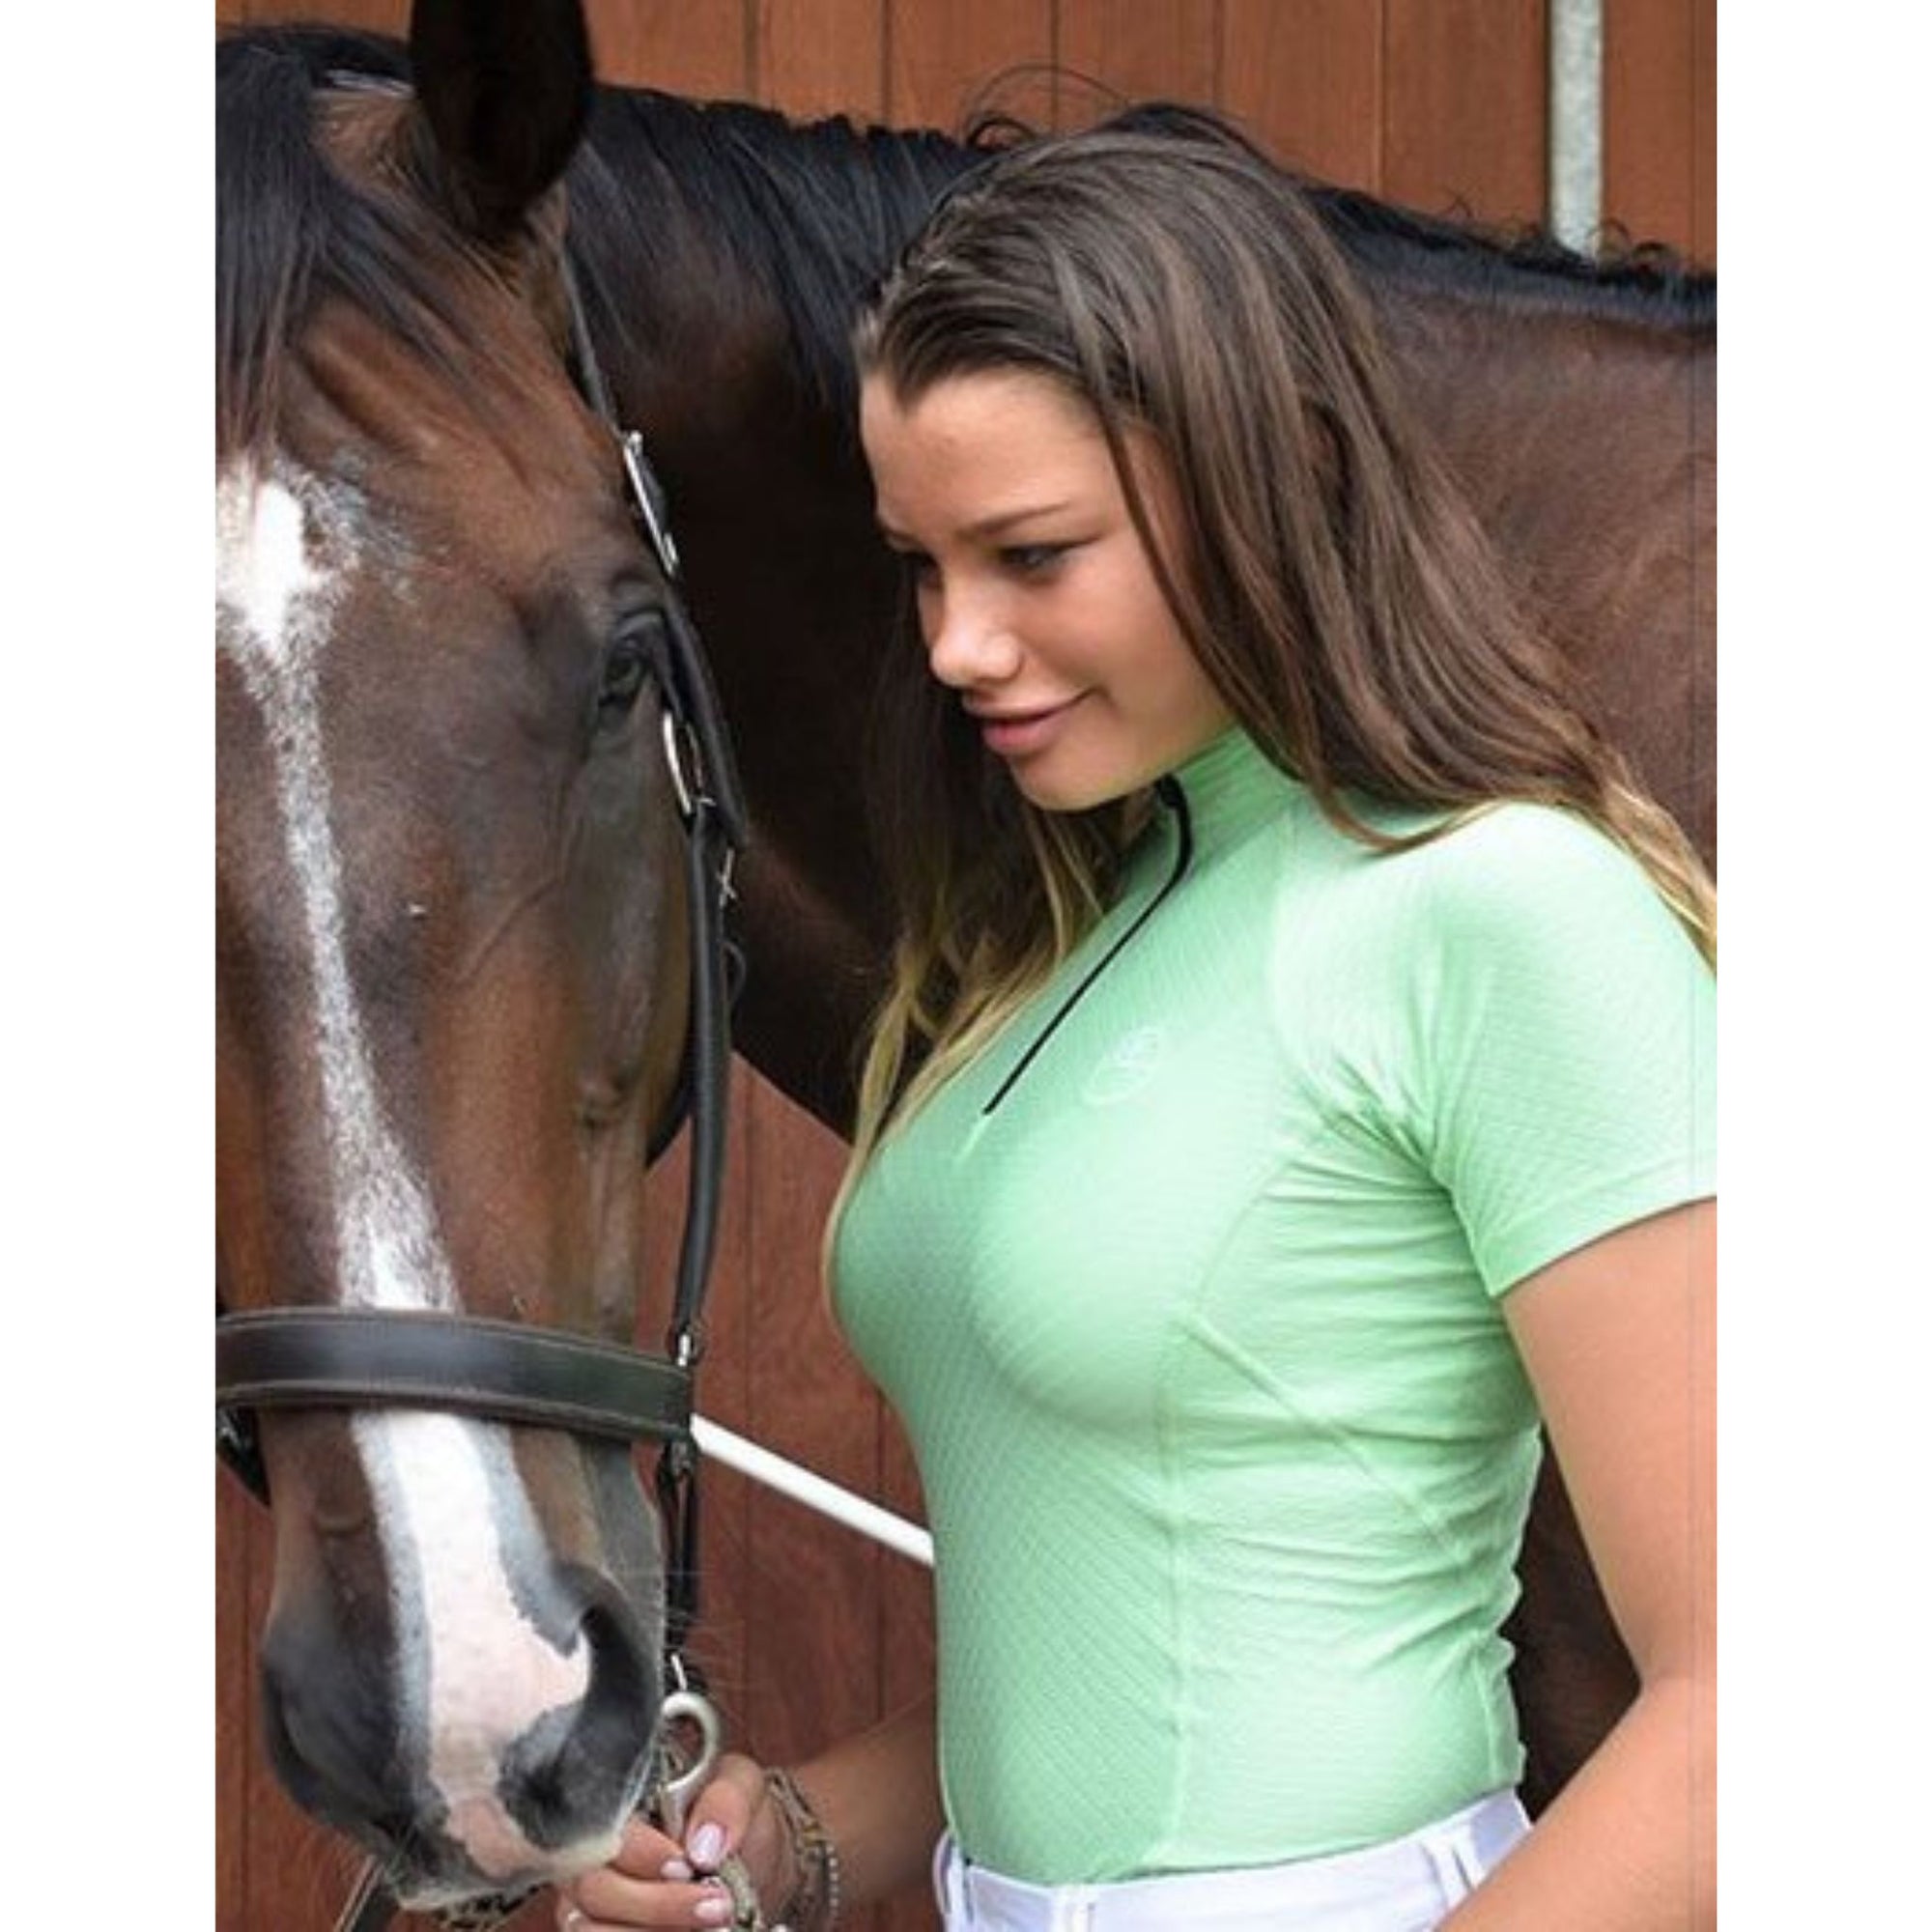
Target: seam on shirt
[(1180, 1333), (1174, 1492), (1208, 1335), (1192, 1327), (1203, 1329)]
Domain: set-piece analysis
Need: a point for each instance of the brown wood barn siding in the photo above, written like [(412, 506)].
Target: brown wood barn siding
[(1437, 103)]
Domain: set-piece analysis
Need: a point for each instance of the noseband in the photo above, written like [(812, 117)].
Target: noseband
[(335, 1359)]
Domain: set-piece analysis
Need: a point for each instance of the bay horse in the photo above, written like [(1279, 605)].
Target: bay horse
[(425, 565), (473, 834)]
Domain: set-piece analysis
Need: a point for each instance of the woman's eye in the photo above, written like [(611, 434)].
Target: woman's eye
[(1034, 559)]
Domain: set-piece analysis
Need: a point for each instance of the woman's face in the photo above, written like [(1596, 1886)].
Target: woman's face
[(1037, 597)]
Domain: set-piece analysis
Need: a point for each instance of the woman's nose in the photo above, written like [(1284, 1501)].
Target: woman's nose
[(969, 640)]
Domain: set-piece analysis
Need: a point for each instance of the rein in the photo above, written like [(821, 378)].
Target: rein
[(307, 1358)]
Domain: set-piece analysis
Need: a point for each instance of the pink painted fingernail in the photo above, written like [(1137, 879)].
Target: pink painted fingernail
[(675, 1869), (713, 1911), (707, 1842)]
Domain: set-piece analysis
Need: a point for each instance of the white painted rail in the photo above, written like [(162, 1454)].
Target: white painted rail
[(816, 1493)]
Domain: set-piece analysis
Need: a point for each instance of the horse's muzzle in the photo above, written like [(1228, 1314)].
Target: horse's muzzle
[(470, 1807)]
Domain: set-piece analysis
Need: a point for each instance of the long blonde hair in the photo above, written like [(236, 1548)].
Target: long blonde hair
[(1330, 577)]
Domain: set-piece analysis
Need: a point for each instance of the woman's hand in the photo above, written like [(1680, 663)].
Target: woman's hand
[(655, 1881)]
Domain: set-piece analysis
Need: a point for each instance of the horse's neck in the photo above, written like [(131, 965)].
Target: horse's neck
[(1587, 444), (772, 513), (1557, 421), (773, 518)]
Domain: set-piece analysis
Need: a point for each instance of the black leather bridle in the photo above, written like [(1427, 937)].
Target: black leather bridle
[(323, 1358)]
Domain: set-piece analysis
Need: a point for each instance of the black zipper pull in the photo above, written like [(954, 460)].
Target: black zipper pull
[(1168, 791)]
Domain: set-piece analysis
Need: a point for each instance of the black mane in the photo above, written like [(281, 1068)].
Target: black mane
[(1525, 265), (811, 212), (1639, 282)]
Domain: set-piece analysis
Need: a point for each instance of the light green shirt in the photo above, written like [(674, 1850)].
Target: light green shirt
[(1225, 1446)]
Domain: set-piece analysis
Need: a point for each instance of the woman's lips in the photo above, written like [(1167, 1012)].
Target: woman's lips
[(1016, 734)]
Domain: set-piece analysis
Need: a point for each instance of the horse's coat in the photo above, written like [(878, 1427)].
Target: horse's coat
[(287, 553), (470, 1662)]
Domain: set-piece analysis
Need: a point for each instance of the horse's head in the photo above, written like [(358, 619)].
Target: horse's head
[(452, 978)]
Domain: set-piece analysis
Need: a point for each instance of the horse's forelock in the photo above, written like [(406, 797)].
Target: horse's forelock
[(294, 228)]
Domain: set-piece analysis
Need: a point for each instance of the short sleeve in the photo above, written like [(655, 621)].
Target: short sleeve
[(1567, 1047)]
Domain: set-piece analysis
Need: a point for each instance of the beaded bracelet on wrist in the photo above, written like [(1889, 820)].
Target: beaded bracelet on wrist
[(814, 1905)]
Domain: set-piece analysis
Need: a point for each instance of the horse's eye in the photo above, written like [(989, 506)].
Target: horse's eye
[(627, 665)]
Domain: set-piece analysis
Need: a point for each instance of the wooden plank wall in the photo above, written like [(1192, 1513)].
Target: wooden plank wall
[(1437, 103)]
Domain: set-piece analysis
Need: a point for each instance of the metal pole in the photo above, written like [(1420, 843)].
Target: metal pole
[(1576, 121), (814, 1492)]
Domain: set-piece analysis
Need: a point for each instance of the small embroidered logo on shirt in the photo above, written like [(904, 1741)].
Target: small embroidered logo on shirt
[(1129, 1067)]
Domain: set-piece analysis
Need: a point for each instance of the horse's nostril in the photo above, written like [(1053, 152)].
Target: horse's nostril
[(578, 1769)]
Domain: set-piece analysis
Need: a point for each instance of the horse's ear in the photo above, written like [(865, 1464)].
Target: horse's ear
[(505, 86)]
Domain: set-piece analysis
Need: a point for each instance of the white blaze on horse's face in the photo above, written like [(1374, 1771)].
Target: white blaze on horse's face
[(287, 552), (475, 1673)]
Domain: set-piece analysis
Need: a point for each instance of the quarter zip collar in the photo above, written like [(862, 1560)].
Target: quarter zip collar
[(1230, 791), (1213, 802)]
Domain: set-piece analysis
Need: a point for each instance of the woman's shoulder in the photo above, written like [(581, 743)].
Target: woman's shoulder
[(1481, 860), (1511, 887), (1520, 834), (1514, 859), (1509, 937)]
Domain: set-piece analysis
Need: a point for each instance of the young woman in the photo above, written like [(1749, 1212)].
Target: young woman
[(1294, 1087)]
